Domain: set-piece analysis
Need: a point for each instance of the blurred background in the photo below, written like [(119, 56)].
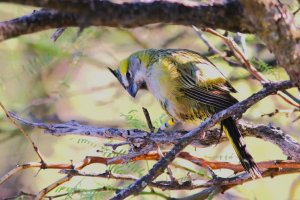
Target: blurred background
[(52, 82)]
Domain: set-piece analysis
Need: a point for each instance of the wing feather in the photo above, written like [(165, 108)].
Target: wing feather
[(194, 86), (219, 101)]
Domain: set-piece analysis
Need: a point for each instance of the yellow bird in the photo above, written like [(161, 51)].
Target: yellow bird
[(189, 88)]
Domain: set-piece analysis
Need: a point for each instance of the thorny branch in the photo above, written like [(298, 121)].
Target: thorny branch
[(84, 191), (76, 170)]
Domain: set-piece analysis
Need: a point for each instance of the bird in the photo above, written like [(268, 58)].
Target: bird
[(189, 88)]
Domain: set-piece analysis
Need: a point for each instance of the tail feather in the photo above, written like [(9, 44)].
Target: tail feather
[(236, 140)]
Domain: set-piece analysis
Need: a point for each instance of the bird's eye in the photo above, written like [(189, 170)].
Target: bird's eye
[(128, 75)]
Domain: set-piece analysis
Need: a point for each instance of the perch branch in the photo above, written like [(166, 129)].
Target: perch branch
[(287, 144)]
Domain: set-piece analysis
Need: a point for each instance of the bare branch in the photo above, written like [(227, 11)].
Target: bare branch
[(136, 137), (275, 135), (213, 49), (220, 185), (225, 15), (75, 170), (37, 21), (57, 183), (281, 167), (288, 145), (35, 148), (57, 33)]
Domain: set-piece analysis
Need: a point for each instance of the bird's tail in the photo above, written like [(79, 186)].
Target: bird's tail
[(236, 140)]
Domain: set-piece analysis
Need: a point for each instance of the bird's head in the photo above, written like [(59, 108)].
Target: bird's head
[(132, 72)]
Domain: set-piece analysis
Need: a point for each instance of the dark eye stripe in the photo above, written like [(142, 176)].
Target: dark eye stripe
[(128, 75)]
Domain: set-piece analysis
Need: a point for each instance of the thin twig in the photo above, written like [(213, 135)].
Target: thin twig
[(57, 34), (24, 133), (54, 185), (285, 111), (82, 191), (214, 50), (116, 145), (148, 119)]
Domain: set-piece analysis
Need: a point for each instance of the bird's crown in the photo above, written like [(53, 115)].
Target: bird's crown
[(144, 56)]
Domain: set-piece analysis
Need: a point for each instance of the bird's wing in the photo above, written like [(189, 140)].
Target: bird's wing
[(209, 97), (204, 83)]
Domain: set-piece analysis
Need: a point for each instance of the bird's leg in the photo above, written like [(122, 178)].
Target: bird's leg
[(221, 132), (168, 124)]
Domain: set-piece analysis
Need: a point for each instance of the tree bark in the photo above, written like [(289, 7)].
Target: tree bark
[(273, 23)]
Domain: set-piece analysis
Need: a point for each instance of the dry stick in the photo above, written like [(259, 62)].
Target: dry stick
[(149, 122), (212, 49), (107, 174), (277, 111), (69, 168), (172, 185), (102, 160), (148, 119), (240, 56), (24, 133), (78, 191), (57, 183), (220, 185), (57, 33), (19, 168), (88, 160)]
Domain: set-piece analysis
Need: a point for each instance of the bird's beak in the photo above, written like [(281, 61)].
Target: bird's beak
[(132, 89), (117, 75)]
